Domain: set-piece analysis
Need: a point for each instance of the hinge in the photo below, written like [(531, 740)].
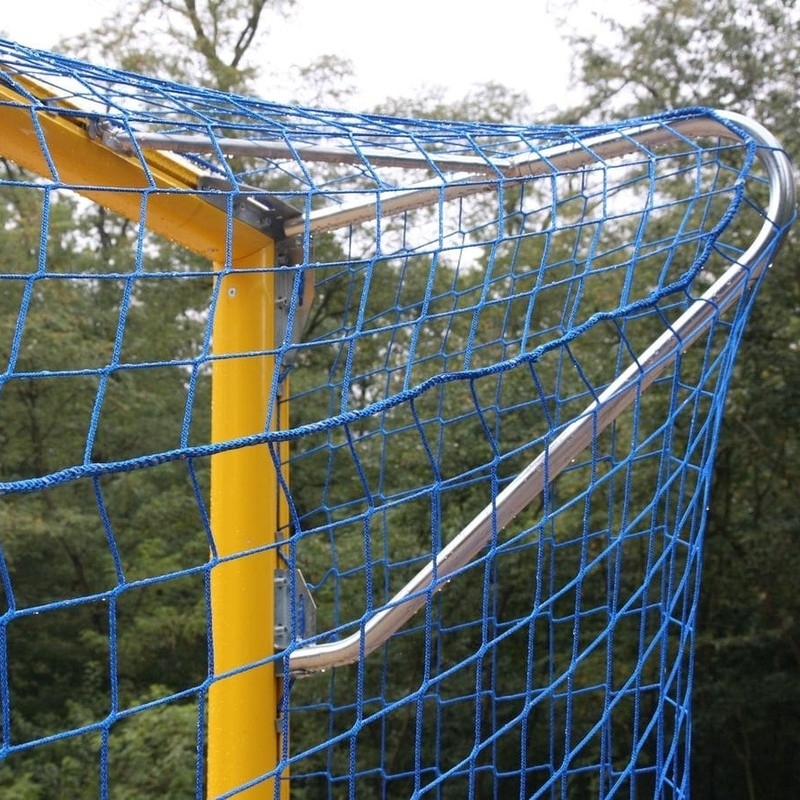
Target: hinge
[(293, 615), (294, 292)]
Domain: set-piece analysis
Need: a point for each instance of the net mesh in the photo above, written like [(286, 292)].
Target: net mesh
[(462, 317)]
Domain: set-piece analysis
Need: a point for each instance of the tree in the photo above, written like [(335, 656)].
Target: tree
[(133, 531), (371, 526), (203, 42), (55, 543), (381, 511), (742, 57)]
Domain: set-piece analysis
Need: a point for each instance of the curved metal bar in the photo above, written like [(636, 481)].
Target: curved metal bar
[(598, 415)]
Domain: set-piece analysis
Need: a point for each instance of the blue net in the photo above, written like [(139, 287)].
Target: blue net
[(486, 416)]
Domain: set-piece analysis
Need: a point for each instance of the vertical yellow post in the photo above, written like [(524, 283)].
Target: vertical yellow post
[(243, 736)]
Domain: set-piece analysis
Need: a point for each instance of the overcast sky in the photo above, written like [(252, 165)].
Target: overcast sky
[(396, 50)]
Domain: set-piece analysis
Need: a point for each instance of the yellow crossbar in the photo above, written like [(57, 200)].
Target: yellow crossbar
[(50, 139)]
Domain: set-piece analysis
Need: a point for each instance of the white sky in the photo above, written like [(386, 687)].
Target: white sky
[(395, 52)]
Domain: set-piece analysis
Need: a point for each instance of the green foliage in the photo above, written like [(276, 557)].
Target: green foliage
[(742, 57), (471, 322), (54, 542), (151, 753), (103, 541), (721, 53)]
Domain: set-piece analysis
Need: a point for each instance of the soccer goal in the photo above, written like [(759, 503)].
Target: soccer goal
[(346, 455)]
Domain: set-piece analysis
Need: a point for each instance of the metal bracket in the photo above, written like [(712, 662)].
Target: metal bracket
[(252, 206), (296, 614), (297, 280)]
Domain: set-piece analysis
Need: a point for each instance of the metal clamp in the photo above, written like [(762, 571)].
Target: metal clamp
[(252, 206), (294, 613)]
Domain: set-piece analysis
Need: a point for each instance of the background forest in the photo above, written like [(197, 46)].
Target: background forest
[(728, 54)]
